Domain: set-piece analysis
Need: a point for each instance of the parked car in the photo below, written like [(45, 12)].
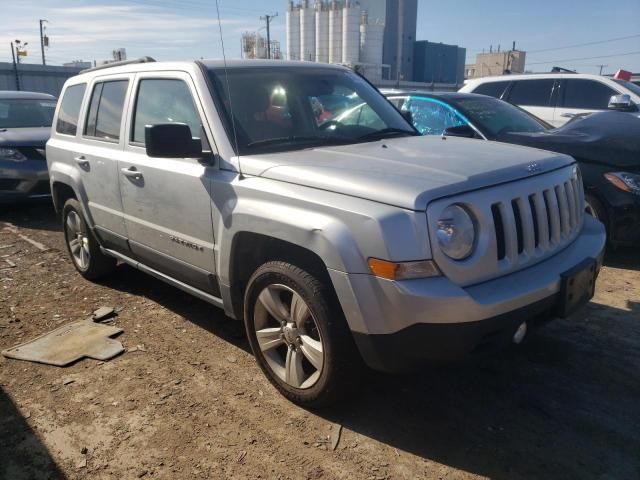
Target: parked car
[(605, 144), (332, 242), (25, 124), (558, 97)]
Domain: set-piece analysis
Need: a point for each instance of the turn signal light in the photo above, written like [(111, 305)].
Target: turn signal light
[(402, 270)]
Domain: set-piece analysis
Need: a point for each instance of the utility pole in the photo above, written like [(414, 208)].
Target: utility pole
[(43, 40), (601, 67), (268, 18), (15, 66)]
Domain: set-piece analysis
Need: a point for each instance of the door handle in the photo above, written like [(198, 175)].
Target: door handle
[(132, 172), (81, 161)]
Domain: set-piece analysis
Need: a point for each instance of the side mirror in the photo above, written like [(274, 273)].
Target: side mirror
[(620, 102), (171, 140), (464, 131), (407, 115)]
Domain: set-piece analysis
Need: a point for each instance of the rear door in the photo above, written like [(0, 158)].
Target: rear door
[(535, 96), (96, 152), (581, 96), (167, 201)]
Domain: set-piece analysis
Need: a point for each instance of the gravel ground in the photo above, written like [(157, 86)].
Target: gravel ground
[(188, 401)]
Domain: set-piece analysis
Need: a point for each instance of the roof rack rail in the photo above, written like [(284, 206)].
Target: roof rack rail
[(117, 64), (562, 70)]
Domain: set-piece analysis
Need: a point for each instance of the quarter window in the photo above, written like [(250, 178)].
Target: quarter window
[(532, 93), (587, 94), (164, 101), (69, 111), (105, 110)]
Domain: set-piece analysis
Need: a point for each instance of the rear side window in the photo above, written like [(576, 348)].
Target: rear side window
[(69, 111), (493, 89), (164, 101), (105, 110), (532, 93), (587, 94)]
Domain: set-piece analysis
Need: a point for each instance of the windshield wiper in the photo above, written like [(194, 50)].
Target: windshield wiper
[(387, 132), (299, 140)]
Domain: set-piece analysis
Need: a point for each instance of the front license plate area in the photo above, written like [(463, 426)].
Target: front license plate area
[(577, 287)]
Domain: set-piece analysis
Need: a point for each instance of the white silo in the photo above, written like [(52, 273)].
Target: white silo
[(307, 32), (350, 32), (322, 32), (335, 32), (293, 32), (371, 41)]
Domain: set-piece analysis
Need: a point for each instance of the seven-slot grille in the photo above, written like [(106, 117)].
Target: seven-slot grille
[(539, 222)]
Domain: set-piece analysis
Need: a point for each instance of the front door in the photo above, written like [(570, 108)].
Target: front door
[(581, 96), (167, 201)]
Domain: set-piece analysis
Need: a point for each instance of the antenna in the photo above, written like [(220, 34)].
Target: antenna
[(226, 78)]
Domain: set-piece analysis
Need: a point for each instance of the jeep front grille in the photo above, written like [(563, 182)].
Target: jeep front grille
[(519, 224), (541, 220)]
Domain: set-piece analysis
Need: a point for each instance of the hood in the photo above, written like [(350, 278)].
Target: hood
[(407, 172), (24, 137), (609, 138)]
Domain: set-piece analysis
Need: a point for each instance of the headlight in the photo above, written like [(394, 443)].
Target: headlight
[(11, 154), (456, 232), (628, 182)]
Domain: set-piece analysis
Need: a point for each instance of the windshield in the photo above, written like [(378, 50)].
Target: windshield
[(628, 85), (494, 117), (277, 109), (25, 113)]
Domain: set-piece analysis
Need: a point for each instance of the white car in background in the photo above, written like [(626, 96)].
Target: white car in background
[(558, 97)]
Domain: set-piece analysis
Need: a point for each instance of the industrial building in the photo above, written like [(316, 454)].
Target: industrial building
[(375, 37), (438, 62), (496, 63), (254, 45)]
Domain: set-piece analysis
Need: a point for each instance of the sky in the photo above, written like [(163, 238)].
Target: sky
[(552, 32)]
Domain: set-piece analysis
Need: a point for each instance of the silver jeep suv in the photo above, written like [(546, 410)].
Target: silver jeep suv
[(294, 196)]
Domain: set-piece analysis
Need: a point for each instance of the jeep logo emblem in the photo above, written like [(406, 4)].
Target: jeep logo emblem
[(533, 168)]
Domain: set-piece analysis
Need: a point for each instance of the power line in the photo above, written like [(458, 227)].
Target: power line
[(597, 42), (586, 58)]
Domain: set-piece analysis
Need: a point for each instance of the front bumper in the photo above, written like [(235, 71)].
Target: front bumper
[(396, 324), (21, 181)]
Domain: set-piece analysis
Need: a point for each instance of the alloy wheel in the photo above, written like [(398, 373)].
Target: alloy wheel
[(77, 240), (288, 336)]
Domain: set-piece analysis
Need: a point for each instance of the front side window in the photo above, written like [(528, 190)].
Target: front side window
[(277, 109), (586, 94), (70, 109), (26, 113), (162, 101), (431, 116), (105, 110), (532, 93)]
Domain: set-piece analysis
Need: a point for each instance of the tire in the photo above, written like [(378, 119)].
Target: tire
[(594, 207), (287, 351), (82, 246)]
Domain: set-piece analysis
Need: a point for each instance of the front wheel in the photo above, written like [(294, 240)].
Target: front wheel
[(298, 335)]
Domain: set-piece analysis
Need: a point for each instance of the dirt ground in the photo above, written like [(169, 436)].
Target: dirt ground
[(190, 402)]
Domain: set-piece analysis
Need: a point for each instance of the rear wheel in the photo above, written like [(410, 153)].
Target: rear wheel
[(81, 244), (298, 335)]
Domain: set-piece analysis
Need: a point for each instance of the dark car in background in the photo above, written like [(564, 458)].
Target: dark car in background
[(25, 124), (606, 146)]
